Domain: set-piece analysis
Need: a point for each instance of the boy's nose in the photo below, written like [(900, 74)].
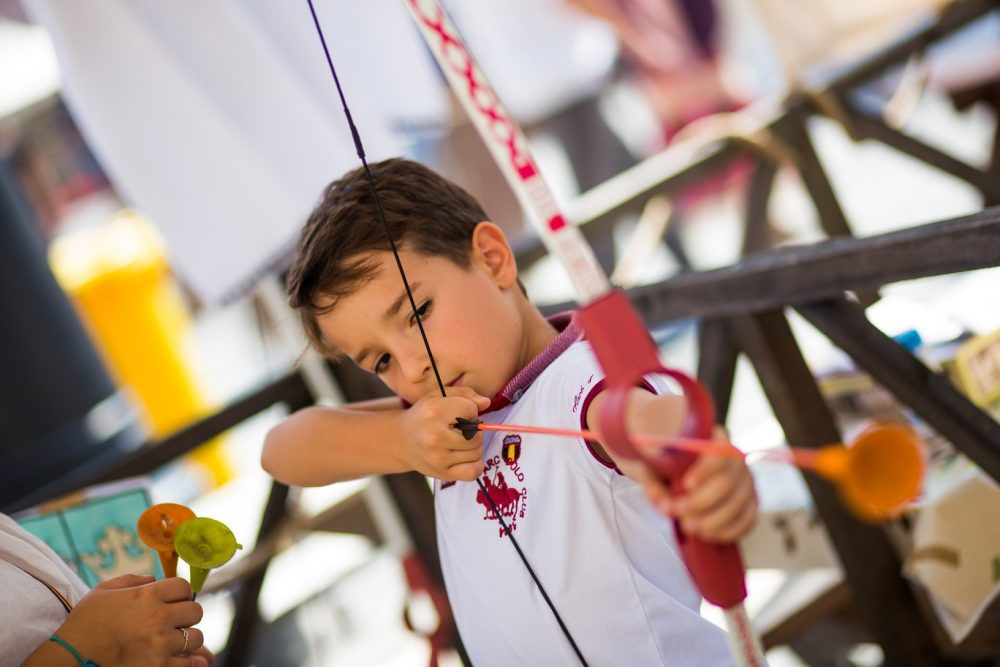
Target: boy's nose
[(416, 367)]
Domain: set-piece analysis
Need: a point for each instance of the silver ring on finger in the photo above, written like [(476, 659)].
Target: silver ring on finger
[(187, 636)]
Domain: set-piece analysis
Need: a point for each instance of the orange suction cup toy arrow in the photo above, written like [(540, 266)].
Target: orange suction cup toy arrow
[(204, 543), (877, 475), (157, 527)]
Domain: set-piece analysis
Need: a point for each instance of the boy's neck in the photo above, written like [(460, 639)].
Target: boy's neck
[(538, 333)]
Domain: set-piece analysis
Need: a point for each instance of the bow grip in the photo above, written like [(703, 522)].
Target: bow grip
[(627, 353)]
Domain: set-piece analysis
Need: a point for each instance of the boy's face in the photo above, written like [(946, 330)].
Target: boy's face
[(471, 317)]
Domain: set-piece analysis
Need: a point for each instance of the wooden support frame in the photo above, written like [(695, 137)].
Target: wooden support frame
[(870, 564)]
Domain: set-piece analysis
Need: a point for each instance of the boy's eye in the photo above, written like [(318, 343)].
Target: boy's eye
[(422, 311), (381, 364)]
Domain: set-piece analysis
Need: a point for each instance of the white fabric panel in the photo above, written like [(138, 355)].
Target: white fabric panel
[(220, 119)]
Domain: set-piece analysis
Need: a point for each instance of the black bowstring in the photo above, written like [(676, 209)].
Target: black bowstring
[(427, 346)]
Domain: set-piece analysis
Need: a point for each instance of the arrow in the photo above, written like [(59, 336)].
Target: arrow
[(878, 474)]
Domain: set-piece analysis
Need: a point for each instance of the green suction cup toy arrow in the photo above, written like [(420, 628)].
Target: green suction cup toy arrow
[(157, 527), (204, 543)]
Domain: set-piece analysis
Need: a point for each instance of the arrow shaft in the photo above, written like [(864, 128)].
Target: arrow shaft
[(799, 457)]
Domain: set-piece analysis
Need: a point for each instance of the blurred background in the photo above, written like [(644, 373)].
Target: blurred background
[(158, 159)]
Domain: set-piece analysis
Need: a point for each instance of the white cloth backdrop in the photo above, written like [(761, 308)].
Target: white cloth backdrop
[(219, 120)]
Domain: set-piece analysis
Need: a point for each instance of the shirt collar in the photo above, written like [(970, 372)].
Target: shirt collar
[(569, 332)]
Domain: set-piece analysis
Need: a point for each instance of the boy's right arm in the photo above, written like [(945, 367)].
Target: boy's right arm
[(322, 445)]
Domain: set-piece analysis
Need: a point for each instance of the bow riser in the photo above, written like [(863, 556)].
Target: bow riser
[(627, 354)]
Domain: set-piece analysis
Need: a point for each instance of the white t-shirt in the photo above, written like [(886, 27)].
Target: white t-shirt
[(604, 556), (30, 612)]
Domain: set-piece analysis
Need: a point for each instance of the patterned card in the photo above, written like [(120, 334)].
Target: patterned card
[(94, 530)]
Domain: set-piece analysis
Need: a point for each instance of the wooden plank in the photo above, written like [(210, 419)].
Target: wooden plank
[(674, 242), (823, 270), (666, 172)]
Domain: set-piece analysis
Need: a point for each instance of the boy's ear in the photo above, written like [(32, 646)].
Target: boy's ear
[(490, 247)]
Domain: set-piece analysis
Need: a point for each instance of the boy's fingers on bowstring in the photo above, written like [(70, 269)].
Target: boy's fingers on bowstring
[(466, 451), (481, 402)]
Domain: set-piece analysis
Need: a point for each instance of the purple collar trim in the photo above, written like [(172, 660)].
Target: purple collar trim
[(569, 333)]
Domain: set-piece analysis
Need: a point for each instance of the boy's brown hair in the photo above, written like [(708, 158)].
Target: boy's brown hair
[(426, 213)]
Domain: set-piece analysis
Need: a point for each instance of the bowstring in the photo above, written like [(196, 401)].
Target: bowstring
[(356, 136)]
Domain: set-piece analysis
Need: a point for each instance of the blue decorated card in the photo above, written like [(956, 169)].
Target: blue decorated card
[(94, 531)]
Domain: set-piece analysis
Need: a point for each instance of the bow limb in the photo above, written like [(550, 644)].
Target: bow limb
[(619, 339)]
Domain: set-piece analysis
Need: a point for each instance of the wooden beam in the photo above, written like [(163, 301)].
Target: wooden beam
[(823, 270)]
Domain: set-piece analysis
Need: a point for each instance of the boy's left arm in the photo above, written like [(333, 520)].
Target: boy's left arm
[(719, 503)]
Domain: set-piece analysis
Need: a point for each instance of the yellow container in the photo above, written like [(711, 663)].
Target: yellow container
[(118, 277)]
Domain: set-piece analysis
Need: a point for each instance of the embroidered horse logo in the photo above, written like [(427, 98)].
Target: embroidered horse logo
[(505, 499)]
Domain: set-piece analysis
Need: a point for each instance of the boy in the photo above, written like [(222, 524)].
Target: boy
[(601, 551)]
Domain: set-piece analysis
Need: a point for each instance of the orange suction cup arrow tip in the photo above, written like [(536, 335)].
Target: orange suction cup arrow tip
[(157, 527), (204, 543), (879, 473)]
